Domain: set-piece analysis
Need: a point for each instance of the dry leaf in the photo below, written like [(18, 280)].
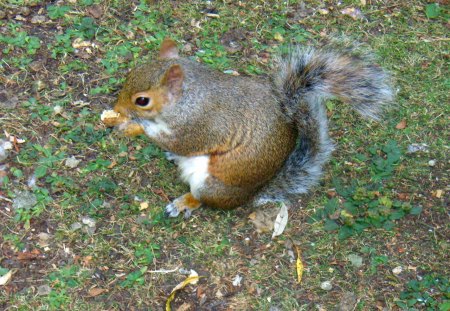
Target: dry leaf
[(184, 307), (401, 125), (191, 279), (96, 291), (278, 37), (263, 219), (280, 221), (299, 265), (29, 255), (5, 279), (354, 13), (96, 11), (143, 206)]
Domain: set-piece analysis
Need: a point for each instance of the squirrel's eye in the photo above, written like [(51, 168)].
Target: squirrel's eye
[(142, 101)]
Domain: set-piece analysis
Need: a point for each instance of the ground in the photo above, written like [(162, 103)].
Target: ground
[(89, 233)]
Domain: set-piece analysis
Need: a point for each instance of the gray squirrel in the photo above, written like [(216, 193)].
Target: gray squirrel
[(238, 139)]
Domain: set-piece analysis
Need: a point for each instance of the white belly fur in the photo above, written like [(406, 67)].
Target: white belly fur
[(194, 171)]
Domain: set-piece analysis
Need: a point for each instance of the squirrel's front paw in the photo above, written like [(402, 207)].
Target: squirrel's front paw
[(131, 129), (186, 203)]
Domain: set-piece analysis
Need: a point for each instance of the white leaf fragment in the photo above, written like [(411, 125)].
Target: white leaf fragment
[(280, 221), (237, 280), (5, 279)]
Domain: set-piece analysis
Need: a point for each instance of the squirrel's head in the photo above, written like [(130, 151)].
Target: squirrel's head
[(152, 86)]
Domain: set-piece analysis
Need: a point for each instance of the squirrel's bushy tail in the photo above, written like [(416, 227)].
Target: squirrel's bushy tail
[(306, 78)]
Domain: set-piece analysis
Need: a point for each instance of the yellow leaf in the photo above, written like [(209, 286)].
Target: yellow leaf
[(299, 265), (278, 37), (143, 206), (191, 279)]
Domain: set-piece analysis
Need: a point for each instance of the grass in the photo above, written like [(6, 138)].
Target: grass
[(104, 217)]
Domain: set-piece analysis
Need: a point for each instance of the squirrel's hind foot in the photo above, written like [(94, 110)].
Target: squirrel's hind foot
[(186, 203)]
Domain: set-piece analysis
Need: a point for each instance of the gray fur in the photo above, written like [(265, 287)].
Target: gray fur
[(306, 78)]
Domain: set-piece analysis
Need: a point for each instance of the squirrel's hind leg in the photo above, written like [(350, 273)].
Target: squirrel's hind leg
[(186, 203)]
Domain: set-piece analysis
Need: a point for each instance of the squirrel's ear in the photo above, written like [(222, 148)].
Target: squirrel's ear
[(173, 79), (168, 49)]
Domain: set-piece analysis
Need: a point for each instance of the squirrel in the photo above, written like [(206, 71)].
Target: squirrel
[(239, 139)]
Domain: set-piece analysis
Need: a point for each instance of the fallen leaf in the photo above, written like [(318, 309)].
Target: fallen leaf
[(143, 206), (438, 193), (237, 280), (96, 11), (281, 221), (6, 278), (184, 307), (87, 260), (79, 43), (397, 270), (348, 302), (96, 291), (191, 279), (263, 219), (356, 260), (35, 253), (43, 239), (72, 162), (113, 163), (401, 125), (278, 37), (299, 265), (353, 13)]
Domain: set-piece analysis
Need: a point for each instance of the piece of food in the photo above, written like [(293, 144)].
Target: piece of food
[(112, 118)]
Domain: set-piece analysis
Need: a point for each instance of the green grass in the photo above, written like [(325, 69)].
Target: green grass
[(375, 201)]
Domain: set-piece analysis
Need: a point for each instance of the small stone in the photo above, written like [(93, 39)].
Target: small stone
[(24, 199), (76, 226), (44, 290), (432, 163), (326, 285), (397, 270), (38, 19), (417, 147)]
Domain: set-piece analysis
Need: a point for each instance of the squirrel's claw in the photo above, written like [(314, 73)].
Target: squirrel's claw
[(186, 203), (171, 210)]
